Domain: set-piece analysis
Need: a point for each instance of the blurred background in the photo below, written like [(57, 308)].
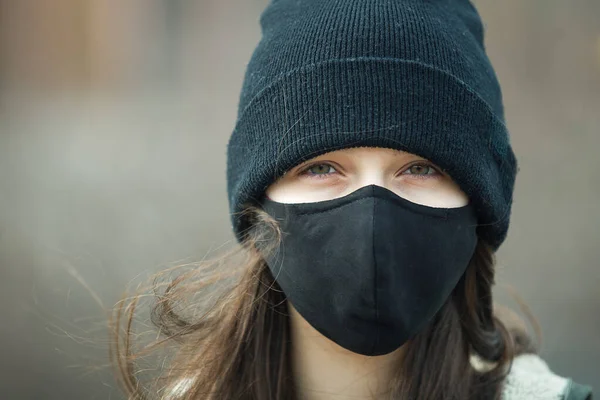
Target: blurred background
[(114, 117)]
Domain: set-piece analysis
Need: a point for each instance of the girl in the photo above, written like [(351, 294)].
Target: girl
[(370, 179)]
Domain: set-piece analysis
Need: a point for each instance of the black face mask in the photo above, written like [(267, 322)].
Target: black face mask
[(371, 269)]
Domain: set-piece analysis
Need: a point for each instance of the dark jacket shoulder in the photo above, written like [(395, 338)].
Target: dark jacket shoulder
[(576, 391)]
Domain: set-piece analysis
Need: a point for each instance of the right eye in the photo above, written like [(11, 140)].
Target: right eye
[(318, 170)]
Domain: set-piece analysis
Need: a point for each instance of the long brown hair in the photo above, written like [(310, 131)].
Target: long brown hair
[(239, 347)]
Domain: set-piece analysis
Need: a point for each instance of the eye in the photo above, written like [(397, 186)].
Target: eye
[(421, 170), (318, 170)]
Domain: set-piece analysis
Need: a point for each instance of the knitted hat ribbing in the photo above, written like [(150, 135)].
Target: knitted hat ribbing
[(410, 75)]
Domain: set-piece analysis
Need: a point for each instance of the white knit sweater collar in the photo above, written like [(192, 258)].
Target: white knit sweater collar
[(530, 378)]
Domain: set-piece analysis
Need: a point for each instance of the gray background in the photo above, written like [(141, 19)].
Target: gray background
[(114, 118)]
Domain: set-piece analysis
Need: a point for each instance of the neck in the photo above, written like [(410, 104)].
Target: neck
[(325, 371)]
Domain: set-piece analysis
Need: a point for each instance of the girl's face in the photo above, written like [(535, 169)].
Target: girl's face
[(341, 172)]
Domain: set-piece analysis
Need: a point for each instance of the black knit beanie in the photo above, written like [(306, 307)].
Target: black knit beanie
[(410, 75)]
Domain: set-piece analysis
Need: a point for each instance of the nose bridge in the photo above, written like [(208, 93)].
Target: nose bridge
[(373, 175)]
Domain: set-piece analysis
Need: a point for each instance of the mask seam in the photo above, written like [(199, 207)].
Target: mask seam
[(376, 277)]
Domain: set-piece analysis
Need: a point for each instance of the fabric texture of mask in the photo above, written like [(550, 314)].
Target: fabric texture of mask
[(371, 269)]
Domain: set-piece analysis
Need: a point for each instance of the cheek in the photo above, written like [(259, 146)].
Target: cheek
[(454, 196), (295, 189), (276, 191), (452, 199), (287, 191), (442, 194), (292, 194)]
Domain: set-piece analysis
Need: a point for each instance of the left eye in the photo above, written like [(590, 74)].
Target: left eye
[(421, 169), (320, 169)]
